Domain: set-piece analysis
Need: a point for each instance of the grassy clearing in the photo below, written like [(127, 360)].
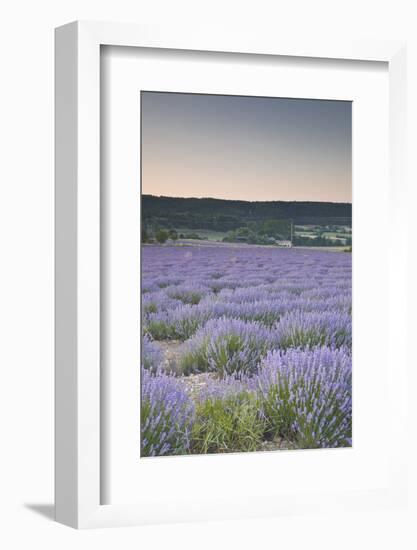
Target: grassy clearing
[(206, 234)]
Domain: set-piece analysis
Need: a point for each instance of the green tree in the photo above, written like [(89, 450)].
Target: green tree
[(173, 234), (161, 236), (276, 228)]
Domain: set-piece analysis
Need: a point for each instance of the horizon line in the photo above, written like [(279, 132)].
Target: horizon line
[(242, 200)]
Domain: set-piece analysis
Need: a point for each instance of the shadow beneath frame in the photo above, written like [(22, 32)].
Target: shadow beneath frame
[(45, 510)]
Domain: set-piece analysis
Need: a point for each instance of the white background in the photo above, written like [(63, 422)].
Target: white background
[(26, 301)]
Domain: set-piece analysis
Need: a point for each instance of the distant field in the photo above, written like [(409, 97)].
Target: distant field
[(341, 235), (207, 234), (334, 235), (300, 235), (211, 235), (212, 243)]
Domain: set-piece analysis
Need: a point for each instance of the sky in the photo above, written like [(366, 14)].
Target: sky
[(246, 148)]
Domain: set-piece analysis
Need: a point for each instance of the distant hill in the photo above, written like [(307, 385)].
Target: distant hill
[(225, 215)]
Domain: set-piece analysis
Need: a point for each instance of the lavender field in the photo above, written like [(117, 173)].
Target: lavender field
[(245, 348)]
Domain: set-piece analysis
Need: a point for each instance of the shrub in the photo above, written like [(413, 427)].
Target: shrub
[(228, 425), (165, 281), (187, 293), (167, 415), (226, 346), (307, 329), (155, 301), (178, 324), (151, 354), (307, 396), (157, 329), (161, 236)]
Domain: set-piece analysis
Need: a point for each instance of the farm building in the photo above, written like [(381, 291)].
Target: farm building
[(284, 244)]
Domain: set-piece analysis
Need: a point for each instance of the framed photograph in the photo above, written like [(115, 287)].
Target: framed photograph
[(230, 339)]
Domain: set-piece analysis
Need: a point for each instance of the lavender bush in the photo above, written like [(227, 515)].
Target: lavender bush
[(226, 346), (151, 354), (167, 415), (314, 328), (307, 396)]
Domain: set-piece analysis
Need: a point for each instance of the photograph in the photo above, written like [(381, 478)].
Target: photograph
[(245, 274), (208, 272)]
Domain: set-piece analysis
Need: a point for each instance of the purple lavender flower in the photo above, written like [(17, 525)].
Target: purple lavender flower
[(227, 346), (167, 415), (223, 388), (307, 395), (314, 328), (151, 354), (153, 302)]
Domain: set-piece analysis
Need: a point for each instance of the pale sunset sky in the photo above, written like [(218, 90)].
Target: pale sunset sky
[(246, 148)]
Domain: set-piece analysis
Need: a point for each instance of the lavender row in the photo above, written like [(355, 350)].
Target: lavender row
[(226, 346), (182, 321), (250, 284)]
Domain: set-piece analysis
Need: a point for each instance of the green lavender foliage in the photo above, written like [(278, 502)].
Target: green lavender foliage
[(232, 424)]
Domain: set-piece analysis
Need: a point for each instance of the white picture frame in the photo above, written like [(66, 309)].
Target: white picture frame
[(78, 405)]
